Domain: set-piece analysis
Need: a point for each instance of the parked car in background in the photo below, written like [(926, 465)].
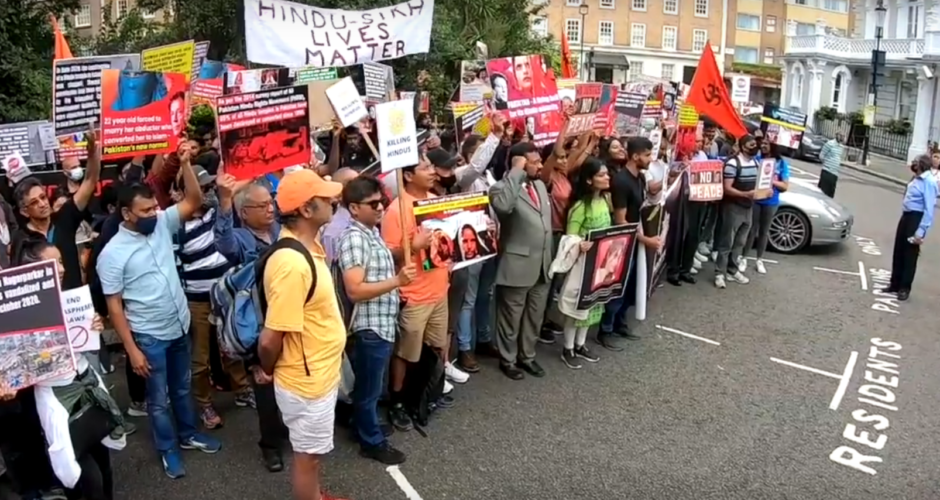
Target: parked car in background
[(806, 217), (810, 145)]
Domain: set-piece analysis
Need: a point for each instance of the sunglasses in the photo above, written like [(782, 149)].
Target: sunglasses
[(374, 204)]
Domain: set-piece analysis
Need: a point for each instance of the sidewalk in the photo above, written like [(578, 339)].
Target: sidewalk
[(883, 167)]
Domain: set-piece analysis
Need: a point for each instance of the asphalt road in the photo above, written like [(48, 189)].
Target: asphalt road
[(751, 409)]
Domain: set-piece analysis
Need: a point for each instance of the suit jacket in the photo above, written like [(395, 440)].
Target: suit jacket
[(525, 233)]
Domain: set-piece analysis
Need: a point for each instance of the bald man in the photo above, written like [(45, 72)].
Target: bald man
[(341, 218)]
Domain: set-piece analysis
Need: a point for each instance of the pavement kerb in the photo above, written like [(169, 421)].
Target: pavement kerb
[(873, 173)]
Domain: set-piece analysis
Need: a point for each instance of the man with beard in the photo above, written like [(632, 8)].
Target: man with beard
[(522, 284), (628, 190)]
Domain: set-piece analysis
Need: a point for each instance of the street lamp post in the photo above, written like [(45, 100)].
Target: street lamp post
[(877, 61), (583, 10)]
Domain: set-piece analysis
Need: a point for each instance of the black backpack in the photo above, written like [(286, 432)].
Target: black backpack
[(424, 386)]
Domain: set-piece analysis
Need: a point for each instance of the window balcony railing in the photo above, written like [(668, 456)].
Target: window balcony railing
[(830, 5), (853, 48)]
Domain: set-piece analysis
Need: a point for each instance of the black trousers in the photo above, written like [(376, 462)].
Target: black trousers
[(827, 183), (97, 479), (904, 260), (273, 431), (23, 445), (696, 215)]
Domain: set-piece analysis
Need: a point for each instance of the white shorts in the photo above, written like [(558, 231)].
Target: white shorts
[(309, 421)]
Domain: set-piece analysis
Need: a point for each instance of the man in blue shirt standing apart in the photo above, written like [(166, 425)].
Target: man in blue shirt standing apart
[(916, 219)]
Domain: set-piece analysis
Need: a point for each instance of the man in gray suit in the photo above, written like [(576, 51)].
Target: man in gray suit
[(525, 253)]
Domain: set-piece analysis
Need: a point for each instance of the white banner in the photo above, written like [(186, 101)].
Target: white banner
[(740, 88), (398, 137), (291, 34)]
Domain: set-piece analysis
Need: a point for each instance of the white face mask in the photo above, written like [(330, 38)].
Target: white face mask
[(77, 174), (295, 168)]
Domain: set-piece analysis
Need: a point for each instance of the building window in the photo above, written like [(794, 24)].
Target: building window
[(771, 23), (699, 37), (768, 55), (605, 33), (83, 16), (671, 7), (913, 20), (638, 35), (701, 8), (636, 69), (805, 29), (796, 95), (573, 30), (748, 22), (639, 4), (540, 26), (745, 55), (837, 92), (608, 4), (669, 70), (800, 2), (670, 37), (836, 5), (120, 8), (573, 3)]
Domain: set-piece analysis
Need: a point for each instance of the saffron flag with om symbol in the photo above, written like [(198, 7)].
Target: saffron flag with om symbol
[(710, 96)]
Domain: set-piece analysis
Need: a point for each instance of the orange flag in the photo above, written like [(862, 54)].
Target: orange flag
[(567, 67), (62, 50), (710, 96)]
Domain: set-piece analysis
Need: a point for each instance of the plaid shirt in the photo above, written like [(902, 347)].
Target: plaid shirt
[(360, 246)]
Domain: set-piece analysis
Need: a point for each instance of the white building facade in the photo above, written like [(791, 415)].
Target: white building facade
[(825, 69)]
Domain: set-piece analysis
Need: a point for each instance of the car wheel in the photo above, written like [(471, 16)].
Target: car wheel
[(789, 231)]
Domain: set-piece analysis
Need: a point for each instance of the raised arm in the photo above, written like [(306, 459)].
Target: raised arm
[(87, 189), (192, 196), (505, 193)]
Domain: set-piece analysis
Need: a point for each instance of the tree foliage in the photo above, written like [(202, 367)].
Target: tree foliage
[(503, 25)]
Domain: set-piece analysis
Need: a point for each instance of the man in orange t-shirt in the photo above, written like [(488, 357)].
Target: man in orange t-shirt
[(423, 317)]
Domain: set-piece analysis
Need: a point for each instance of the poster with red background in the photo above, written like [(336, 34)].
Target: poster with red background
[(142, 112), (264, 131), (525, 91), (604, 118), (210, 82)]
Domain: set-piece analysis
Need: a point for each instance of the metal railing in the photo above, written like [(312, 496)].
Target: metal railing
[(897, 49), (880, 139)]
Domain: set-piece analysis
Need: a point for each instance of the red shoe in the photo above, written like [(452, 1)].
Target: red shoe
[(326, 496)]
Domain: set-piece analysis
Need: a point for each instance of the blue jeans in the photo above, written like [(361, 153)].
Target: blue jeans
[(483, 302), (467, 311), (615, 311), (370, 360), (170, 375)]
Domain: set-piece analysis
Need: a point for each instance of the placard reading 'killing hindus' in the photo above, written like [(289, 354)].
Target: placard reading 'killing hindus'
[(285, 33), (76, 94), (398, 135), (264, 131)]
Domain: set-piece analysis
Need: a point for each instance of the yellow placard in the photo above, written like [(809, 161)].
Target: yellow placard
[(688, 116), (462, 108), (173, 58), (453, 202)]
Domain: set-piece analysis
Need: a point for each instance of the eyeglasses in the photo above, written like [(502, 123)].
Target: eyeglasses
[(37, 200), (374, 204), (264, 205)]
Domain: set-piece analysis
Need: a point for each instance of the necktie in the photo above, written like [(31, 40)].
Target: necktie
[(533, 195)]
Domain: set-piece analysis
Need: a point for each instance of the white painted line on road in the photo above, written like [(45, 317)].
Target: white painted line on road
[(862, 276), (878, 403), (766, 261), (807, 368), (844, 383), (403, 483), (689, 335), (804, 172), (836, 271)]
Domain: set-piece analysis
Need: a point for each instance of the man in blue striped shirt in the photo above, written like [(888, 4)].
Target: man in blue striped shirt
[(917, 208), (831, 156), (201, 265)]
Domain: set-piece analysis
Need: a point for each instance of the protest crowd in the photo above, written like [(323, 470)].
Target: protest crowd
[(332, 255)]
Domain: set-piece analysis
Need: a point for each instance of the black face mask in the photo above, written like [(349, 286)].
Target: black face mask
[(447, 182)]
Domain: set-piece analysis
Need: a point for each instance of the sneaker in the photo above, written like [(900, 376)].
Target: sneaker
[(703, 250), (739, 278), (137, 409), (202, 443), (759, 265), (696, 264), (448, 387), (399, 418), (384, 453), (714, 256), (698, 257), (210, 419), (570, 359), (129, 428), (273, 461), (583, 353), (173, 464), (454, 374), (468, 362), (720, 281), (742, 264), (53, 494), (246, 399), (546, 336), (694, 270), (444, 402)]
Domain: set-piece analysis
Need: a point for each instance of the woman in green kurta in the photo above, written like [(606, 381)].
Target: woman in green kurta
[(589, 211)]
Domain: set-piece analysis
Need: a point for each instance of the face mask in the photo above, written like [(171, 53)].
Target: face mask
[(210, 199), (146, 225), (77, 174), (447, 182), (295, 168)]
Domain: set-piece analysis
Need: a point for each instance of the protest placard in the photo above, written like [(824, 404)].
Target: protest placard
[(142, 112), (253, 80), (211, 81), (173, 58), (79, 312), (76, 94), (346, 102), (285, 33), (524, 91), (34, 344), (464, 124), (765, 179), (474, 81), (706, 180), (200, 51), (586, 103), (264, 131), (378, 81), (14, 166), (27, 138), (313, 74), (607, 265), (398, 135), (630, 103), (462, 232)]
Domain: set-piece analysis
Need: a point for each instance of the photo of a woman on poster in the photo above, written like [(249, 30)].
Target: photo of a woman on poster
[(442, 249), (470, 244), (611, 256)]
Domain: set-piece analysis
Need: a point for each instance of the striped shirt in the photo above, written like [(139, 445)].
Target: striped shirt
[(199, 260), (831, 156)]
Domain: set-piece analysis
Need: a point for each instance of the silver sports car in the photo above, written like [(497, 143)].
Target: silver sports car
[(808, 217)]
